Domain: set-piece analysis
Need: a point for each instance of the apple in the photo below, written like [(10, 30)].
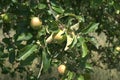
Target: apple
[(118, 48), (62, 69), (35, 23), (5, 17), (60, 36)]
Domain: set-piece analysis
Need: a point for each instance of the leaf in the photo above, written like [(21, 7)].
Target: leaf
[(94, 42), (46, 61), (75, 27), (84, 50), (69, 42), (74, 41), (53, 25), (6, 40), (12, 57), (50, 38), (81, 77), (84, 46), (28, 60), (14, 1), (41, 6), (58, 9), (24, 36), (88, 66), (26, 52), (91, 28), (70, 75)]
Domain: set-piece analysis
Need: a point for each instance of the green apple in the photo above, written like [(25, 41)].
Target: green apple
[(6, 17)]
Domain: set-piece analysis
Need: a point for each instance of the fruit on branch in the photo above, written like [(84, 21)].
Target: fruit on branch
[(60, 36), (6, 17), (62, 69), (35, 23)]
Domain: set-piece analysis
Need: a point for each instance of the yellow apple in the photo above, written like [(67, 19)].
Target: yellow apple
[(35, 23), (60, 36), (62, 69)]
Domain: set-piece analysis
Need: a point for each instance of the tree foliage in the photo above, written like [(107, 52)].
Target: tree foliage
[(76, 19)]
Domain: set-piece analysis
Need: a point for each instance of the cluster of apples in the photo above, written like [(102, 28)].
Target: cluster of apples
[(58, 37)]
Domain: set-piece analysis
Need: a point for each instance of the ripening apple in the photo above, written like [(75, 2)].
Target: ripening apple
[(5, 17), (118, 48), (62, 69), (60, 36), (35, 23)]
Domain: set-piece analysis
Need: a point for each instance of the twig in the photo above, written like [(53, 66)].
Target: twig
[(61, 26), (40, 70), (52, 12)]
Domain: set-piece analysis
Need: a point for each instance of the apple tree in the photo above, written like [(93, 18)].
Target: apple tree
[(55, 34)]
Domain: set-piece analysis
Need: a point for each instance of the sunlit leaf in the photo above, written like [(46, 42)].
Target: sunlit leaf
[(90, 28), (74, 41), (24, 36), (58, 9), (84, 50), (41, 6), (70, 75), (80, 77), (69, 41), (88, 66), (84, 46), (75, 27), (26, 52), (50, 38), (28, 60)]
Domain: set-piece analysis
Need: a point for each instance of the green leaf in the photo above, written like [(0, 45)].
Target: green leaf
[(24, 36), (74, 41), (26, 52), (80, 77), (84, 50), (6, 70), (28, 60), (70, 75), (90, 28), (58, 9), (53, 25), (46, 61), (41, 6), (84, 46), (93, 41), (12, 57), (14, 1), (88, 66)]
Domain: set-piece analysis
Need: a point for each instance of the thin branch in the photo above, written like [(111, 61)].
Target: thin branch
[(40, 70), (52, 12)]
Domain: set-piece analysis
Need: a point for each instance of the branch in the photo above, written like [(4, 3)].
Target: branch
[(40, 70), (52, 12)]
